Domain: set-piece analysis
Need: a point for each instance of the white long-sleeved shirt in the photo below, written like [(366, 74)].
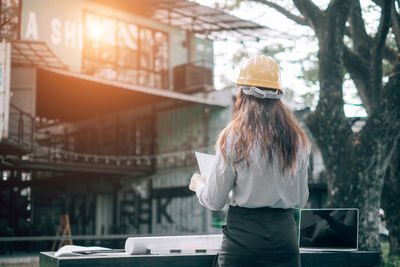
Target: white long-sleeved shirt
[(261, 184)]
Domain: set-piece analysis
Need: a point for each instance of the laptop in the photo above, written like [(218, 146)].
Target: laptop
[(328, 229)]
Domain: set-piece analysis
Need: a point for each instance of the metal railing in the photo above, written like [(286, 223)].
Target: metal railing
[(21, 128), (23, 133)]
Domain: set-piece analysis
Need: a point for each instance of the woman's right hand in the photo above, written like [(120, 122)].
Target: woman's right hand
[(195, 181)]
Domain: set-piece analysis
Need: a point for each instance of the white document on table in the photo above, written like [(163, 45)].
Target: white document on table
[(206, 164)]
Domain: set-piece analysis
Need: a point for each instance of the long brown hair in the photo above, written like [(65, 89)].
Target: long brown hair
[(271, 124)]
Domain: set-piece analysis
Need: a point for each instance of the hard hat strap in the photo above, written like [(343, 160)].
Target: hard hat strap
[(262, 94)]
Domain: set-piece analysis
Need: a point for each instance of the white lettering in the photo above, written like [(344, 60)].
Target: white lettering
[(80, 36), (31, 29), (56, 37), (70, 32)]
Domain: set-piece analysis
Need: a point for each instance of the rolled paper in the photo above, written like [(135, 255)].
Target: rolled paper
[(140, 245)]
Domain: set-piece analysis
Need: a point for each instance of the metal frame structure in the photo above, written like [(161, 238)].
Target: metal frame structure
[(201, 20), (48, 173), (34, 53), (152, 91), (39, 168)]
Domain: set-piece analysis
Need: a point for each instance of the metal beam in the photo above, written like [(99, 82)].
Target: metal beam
[(142, 89), (86, 168)]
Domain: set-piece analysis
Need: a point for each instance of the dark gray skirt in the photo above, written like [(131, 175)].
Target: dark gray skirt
[(259, 237)]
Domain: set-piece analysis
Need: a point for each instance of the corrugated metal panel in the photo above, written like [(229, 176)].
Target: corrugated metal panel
[(173, 177), (187, 215), (218, 119), (185, 212), (179, 132)]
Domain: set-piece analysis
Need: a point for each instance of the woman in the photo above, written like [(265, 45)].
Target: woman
[(262, 158)]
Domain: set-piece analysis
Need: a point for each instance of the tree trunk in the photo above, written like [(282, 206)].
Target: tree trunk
[(391, 188), (328, 124), (368, 203), (391, 201), (355, 163)]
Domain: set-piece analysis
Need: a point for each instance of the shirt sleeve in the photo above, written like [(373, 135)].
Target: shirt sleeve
[(303, 177), (215, 194)]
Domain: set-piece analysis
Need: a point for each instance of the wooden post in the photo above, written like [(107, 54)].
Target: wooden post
[(64, 230)]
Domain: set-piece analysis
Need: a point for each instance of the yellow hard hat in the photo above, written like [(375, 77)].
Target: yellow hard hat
[(260, 71)]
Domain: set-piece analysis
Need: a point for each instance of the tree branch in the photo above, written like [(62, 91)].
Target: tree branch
[(358, 32), (377, 52), (378, 2), (383, 124), (384, 25), (286, 13), (311, 12), (331, 48), (395, 18), (357, 67), (328, 123), (390, 54)]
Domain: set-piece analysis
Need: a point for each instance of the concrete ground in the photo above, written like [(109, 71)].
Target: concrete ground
[(19, 260)]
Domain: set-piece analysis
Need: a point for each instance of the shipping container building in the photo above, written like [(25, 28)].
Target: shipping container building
[(103, 104)]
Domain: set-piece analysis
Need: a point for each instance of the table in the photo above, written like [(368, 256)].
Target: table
[(308, 259)]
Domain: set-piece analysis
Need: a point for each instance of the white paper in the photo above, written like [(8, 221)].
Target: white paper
[(206, 164), (73, 250), (140, 245)]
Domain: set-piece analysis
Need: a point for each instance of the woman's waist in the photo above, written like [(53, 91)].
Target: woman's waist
[(259, 219), (277, 201), (261, 210)]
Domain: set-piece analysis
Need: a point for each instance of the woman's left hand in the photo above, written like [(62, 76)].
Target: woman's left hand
[(196, 180)]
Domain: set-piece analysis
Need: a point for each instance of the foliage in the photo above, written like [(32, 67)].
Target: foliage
[(9, 20), (228, 4), (392, 261), (389, 260), (239, 55), (310, 73)]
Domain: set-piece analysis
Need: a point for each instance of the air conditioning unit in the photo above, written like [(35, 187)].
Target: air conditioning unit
[(189, 78)]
